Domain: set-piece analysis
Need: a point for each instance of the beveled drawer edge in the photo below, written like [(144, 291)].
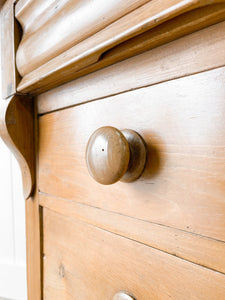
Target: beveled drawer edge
[(152, 67), (194, 248)]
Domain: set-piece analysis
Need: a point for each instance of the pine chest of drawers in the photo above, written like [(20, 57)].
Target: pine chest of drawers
[(115, 112)]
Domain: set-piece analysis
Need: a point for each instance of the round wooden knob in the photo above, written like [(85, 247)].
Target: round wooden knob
[(122, 296), (113, 155)]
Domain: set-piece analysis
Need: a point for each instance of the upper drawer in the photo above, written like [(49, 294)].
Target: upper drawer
[(182, 122)]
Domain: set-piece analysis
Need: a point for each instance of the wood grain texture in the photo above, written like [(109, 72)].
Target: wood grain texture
[(17, 131), (10, 37), (52, 27), (195, 53), (34, 236), (183, 126), (33, 241), (192, 247), (88, 52), (96, 264)]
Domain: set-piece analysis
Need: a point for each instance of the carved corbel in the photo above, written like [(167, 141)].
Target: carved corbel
[(16, 111), (17, 131)]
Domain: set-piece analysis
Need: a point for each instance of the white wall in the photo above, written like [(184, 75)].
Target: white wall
[(12, 226)]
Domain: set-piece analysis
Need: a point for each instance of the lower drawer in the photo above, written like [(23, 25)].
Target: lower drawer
[(84, 262)]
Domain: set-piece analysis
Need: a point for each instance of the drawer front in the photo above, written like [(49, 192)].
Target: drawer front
[(182, 123), (88, 263)]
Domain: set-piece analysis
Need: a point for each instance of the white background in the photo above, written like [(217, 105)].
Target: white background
[(12, 229)]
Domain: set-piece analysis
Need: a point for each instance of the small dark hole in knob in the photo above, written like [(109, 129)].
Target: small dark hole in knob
[(103, 150)]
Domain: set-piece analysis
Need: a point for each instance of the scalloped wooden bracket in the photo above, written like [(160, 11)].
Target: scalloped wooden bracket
[(17, 131)]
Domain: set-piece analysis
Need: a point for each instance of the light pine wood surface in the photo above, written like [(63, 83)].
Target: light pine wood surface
[(52, 27), (34, 233), (39, 76), (180, 243), (34, 250), (182, 124), (88, 263), (194, 53)]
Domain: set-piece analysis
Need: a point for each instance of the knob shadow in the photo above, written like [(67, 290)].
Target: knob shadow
[(154, 161)]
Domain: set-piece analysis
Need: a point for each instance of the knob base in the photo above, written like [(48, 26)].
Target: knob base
[(138, 154)]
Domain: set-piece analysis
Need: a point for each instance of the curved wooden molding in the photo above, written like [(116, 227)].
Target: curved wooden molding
[(173, 29), (17, 131), (52, 27), (86, 55)]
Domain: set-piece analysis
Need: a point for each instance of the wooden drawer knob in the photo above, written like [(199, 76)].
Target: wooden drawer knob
[(122, 296), (113, 155)]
